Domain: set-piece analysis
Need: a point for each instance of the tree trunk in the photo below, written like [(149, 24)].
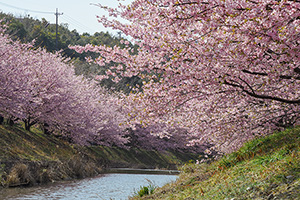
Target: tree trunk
[(27, 124), (1, 119), (45, 128), (10, 121)]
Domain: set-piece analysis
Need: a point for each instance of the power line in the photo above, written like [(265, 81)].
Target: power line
[(67, 18), (27, 10), (76, 23)]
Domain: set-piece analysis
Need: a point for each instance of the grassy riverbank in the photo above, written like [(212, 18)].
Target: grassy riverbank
[(266, 168), (28, 158)]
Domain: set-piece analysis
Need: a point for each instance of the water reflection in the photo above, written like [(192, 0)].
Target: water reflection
[(104, 187)]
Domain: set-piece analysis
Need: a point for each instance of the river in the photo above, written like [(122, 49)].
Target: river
[(111, 186)]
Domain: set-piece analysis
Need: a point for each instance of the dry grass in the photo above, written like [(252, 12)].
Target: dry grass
[(19, 175)]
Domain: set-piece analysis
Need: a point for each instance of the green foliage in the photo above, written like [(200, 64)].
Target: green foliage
[(126, 84), (143, 191), (27, 29)]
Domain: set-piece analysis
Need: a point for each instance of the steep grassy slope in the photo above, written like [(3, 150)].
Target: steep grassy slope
[(265, 168), (33, 157)]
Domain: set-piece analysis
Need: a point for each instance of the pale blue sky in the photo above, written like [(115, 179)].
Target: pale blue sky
[(79, 14)]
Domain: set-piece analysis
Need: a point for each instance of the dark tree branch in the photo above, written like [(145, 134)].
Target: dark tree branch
[(248, 85), (289, 77), (261, 96), (254, 73), (297, 70)]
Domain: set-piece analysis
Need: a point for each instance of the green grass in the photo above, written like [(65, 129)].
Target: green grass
[(18, 144), (264, 168)]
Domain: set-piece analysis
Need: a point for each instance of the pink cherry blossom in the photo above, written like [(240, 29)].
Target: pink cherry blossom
[(224, 71)]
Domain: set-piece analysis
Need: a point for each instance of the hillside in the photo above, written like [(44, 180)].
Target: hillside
[(26, 29), (28, 158), (266, 168)]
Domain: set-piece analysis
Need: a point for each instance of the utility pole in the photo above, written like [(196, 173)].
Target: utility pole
[(120, 34), (56, 39)]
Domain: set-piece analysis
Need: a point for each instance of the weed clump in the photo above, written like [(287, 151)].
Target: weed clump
[(146, 190)]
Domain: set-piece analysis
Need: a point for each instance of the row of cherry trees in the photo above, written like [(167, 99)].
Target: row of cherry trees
[(223, 70), (38, 87)]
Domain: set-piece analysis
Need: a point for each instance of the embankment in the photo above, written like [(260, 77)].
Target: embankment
[(29, 158), (265, 168)]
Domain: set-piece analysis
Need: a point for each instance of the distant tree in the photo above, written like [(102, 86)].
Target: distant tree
[(17, 30)]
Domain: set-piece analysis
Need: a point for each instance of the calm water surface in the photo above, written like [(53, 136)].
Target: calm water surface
[(104, 187)]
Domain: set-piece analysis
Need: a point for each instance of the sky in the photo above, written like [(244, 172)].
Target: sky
[(78, 14)]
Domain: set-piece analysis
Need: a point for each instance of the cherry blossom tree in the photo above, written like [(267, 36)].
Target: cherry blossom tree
[(225, 70), (38, 87)]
